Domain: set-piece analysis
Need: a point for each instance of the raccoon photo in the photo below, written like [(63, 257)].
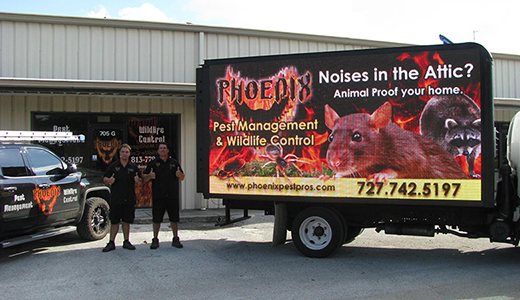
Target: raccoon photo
[(453, 121)]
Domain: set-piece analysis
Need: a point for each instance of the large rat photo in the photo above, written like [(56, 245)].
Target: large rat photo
[(454, 123), (370, 146)]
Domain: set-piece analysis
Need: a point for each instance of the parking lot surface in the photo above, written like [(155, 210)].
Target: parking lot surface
[(238, 262)]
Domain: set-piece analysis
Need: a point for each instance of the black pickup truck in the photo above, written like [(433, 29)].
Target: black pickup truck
[(42, 196)]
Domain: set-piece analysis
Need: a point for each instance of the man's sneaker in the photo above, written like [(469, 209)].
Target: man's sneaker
[(128, 245), (155, 243), (176, 242), (109, 247)]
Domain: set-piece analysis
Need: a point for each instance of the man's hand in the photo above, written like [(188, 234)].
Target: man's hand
[(179, 174), (110, 180), (137, 179), (151, 175)]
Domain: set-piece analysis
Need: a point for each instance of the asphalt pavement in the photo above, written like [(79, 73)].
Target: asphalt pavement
[(238, 262)]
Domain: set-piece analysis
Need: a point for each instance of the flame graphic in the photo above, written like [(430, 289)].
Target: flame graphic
[(46, 198), (239, 101), (408, 117), (107, 150), (230, 159), (283, 88)]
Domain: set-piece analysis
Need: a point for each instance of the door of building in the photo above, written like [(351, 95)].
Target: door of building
[(104, 144)]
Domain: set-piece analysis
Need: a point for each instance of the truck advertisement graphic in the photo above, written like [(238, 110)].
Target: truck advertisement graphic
[(400, 123)]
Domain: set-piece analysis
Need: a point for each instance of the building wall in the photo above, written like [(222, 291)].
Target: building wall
[(94, 49), (48, 47), (231, 45), (506, 76), (16, 115), (504, 115), (57, 51)]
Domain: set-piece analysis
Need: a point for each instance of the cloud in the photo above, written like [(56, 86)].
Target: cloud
[(101, 13), (147, 12), (403, 21)]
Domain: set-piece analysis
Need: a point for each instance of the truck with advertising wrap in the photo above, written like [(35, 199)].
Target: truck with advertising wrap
[(43, 196), (398, 139)]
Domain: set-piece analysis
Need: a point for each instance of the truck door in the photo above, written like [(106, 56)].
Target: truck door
[(57, 189), (19, 211)]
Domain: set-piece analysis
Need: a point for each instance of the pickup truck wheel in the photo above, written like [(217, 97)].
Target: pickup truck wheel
[(317, 232), (95, 223)]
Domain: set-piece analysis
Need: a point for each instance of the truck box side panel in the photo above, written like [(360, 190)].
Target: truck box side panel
[(410, 125)]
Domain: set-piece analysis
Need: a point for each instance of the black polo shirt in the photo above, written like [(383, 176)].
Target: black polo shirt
[(166, 183), (123, 189)]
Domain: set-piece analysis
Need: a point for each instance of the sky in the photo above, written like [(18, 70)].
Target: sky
[(493, 24)]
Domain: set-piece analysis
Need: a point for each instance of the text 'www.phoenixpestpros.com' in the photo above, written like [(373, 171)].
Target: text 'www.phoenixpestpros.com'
[(281, 187)]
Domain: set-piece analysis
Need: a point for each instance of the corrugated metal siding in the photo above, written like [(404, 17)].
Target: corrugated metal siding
[(230, 46), (16, 115), (69, 51), (56, 51), (94, 49), (88, 52), (507, 78), (504, 115)]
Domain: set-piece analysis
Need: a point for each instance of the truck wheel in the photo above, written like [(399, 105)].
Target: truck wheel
[(94, 224), (317, 232)]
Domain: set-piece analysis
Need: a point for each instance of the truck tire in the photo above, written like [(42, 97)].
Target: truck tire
[(317, 232), (352, 233), (95, 223)]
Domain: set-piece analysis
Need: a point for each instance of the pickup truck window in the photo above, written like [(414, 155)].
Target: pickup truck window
[(44, 162), (11, 163)]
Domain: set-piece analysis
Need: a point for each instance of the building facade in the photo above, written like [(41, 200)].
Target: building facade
[(128, 81)]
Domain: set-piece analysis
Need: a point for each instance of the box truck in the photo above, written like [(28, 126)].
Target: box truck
[(397, 139)]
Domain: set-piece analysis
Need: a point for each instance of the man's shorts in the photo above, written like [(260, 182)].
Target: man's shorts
[(159, 206), (122, 212)]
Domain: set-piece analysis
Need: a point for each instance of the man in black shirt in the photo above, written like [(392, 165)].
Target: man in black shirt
[(164, 171), (121, 176)]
